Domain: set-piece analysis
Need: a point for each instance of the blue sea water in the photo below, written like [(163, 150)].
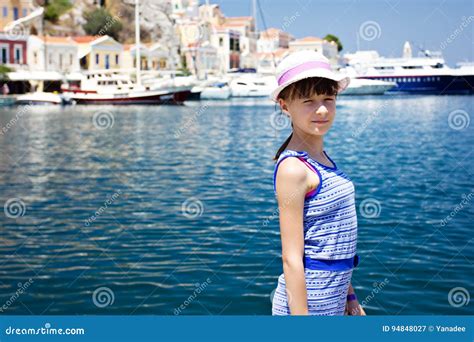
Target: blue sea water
[(170, 210)]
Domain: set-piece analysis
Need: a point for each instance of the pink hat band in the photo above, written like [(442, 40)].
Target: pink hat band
[(290, 73)]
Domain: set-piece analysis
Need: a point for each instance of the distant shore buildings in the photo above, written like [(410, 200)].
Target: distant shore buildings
[(206, 41)]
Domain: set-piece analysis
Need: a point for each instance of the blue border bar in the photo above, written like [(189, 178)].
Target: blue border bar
[(239, 328)]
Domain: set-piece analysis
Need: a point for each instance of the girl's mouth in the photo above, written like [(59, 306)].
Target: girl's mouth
[(321, 121)]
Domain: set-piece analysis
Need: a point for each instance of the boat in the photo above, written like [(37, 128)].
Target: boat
[(252, 85), (117, 87), (44, 98), (216, 91), (425, 74), (360, 86)]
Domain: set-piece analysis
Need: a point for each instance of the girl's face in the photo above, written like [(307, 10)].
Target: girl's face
[(313, 115)]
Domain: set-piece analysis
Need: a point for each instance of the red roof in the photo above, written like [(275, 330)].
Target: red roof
[(84, 39), (239, 18), (308, 40)]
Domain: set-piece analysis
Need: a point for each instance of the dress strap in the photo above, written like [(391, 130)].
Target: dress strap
[(303, 156)]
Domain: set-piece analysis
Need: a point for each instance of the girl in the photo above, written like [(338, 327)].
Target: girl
[(318, 222)]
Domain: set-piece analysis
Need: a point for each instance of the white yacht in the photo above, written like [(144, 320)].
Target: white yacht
[(427, 73)]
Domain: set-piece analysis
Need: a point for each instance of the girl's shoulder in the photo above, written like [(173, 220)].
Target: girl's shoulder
[(290, 153), (292, 170)]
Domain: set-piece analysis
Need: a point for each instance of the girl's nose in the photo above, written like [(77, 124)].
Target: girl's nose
[(322, 110)]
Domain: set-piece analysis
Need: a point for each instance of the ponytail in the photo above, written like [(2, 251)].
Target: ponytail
[(283, 147)]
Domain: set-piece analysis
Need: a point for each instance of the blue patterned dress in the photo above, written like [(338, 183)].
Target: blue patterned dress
[(330, 239)]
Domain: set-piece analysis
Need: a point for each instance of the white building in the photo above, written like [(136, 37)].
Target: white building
[(328, 49), (247, 39), (60, 52), (272, 40), (211, 14), (227, 43)]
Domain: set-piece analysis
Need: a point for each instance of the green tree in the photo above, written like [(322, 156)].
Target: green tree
[(3, 72), (333, 38), (100, 22), (55, 8)]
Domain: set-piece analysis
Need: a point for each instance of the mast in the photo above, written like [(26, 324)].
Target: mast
[(255, 15), (137, 42)]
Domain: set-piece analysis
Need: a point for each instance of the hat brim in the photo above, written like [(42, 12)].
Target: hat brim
[(342, 81)]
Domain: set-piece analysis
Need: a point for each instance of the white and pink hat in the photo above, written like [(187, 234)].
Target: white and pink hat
[(305, 64)]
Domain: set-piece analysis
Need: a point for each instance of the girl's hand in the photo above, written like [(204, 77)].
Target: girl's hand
[(353, 308)]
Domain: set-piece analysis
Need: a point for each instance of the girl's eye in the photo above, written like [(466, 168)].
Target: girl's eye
[(329, 99), (307, 101)]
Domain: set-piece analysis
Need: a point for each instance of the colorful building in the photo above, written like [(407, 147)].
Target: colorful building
[(98, 52), (13, 50), (152, 56)]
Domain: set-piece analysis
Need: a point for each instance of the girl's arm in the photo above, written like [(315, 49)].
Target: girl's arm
[(291, 187), (353, 308)]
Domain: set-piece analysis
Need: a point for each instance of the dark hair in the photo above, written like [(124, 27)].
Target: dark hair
[(304, 88)]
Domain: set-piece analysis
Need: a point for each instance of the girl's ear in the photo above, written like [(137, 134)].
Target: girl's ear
[(283, 106)]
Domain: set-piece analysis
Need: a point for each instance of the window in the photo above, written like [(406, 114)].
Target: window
[(70, 59), (96, 58), (221, 41), (5, 11), (61, 61), (117, 59), (15, 13), (4, 54), (25, 12), (17, 56)]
